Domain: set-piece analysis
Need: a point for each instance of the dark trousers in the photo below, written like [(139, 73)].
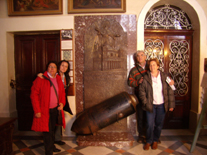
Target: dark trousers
[(49, 137), (141, 120), (154, 123)]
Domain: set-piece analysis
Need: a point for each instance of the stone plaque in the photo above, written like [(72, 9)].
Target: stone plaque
[(87, 33), (105, 65)]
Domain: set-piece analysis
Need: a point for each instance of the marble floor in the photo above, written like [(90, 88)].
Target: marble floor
[(176, 142)]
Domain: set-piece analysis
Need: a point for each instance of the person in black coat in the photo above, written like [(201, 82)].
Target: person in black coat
[(63, 71), (157, 98)]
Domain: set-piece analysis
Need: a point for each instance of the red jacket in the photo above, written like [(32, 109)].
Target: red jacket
[(40, 97)]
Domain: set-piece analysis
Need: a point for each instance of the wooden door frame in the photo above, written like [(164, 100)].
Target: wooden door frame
[(166, 34), (36, 35)]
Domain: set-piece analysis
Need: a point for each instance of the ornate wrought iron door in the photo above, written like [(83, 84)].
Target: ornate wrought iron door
[(173, 49)]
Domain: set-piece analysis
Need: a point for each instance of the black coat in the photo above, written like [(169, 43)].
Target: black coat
[(146, 93), (67, 105)]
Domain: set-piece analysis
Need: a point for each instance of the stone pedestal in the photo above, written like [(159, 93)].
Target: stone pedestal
[(118, 139)]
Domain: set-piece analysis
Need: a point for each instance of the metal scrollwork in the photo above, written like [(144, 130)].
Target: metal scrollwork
[(179, 65), (167, 17), (154, 49)]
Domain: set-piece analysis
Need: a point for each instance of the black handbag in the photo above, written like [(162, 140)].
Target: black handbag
[(59, 120)]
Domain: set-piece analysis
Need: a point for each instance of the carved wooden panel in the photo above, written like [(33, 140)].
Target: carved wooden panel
[(32, 53)]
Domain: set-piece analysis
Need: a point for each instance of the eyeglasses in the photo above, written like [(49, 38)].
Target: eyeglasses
[(52, 67)]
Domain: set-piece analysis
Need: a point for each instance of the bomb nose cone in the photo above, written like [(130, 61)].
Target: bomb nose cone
[(74, 128), (82, 124), (105, 113)]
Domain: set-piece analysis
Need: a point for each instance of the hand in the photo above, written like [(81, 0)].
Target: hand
[(171, 109), (141, 80), (38, 115), (40, 75), (171, 82), (60, 107)]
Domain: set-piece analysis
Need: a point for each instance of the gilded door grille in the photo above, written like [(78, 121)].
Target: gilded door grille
[(167, 17), (179, 65), (154, 49)]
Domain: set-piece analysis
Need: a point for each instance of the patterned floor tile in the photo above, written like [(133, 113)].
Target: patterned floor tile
[(95, 150), (202, 151), (183, 149), (71, 150), (71, 143), (39, 150), (15, 148), (24, 149), (195, 152), (167, 144), (176, 145), (20, 144), (31, 142), (114, 153), (120, 151), (20, 153), (138, 150), (169, 150)]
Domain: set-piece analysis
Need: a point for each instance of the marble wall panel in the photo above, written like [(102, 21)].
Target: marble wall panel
[(82, 26)]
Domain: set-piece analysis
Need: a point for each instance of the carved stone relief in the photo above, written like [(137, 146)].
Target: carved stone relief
[(105, 65), (112, 81), (105, 44)]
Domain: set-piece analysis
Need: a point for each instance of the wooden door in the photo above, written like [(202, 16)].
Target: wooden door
[(173, 48), (32, 53)]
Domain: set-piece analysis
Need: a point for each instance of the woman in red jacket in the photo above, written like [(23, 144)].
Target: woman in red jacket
[(45, 106)]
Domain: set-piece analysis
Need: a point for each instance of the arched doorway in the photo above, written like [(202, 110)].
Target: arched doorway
[(198, 19), (168, 37)]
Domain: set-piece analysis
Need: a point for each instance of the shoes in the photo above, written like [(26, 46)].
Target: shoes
[(154, 145), (146, 146), (59, 142), (55, 149)]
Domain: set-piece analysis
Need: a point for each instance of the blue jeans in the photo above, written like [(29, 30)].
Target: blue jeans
[(154, 123)]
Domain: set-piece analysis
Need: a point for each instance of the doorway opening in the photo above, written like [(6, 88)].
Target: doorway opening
[(32, 50), (169, 38)]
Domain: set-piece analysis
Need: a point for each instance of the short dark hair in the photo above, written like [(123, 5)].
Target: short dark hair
[(54, 62)]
